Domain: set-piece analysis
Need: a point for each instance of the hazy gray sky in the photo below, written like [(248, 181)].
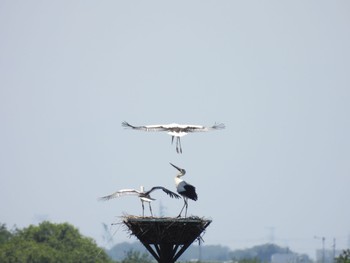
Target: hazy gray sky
[(277, 73)]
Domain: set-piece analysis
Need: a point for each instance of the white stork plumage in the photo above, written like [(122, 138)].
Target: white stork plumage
[(175, 130), (184, 189), (144, 196)]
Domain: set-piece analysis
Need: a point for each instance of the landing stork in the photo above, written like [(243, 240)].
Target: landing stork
[(175, 130), (144, 196), (184, 189)]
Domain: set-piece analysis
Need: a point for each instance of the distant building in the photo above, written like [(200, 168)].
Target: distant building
[(285, 258), (327, 255)]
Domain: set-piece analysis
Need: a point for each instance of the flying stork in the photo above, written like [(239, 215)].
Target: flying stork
[(175, 130), (144, 196), (184, 189)]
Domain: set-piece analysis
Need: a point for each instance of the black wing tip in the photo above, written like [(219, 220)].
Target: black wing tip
[(174, 195), (194, 196), (125, 124), (167, 191), (219, 126), (177, 196)]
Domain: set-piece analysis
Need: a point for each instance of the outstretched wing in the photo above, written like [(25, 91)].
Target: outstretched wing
[(199, 128), (174, 127), (120, 193), (167, 191), (144, 128)]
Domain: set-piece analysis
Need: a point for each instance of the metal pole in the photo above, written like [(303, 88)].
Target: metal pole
[(333, 259), (323, 250), (323, 247)]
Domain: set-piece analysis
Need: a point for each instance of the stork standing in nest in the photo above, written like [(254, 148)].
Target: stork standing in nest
[(175, 130), (184, 189), (144, 196)]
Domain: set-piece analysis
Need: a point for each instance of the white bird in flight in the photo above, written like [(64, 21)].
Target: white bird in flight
[(144, 196), (175, 130), (184, 189)]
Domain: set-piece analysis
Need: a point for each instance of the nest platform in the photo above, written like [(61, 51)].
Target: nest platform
[(166, 238)]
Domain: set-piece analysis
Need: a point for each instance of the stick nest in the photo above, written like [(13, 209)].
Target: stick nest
[(166, 230)]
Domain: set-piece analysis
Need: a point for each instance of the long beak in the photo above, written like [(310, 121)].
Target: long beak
[(176, 167)]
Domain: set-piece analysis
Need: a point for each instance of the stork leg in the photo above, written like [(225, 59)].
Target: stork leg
[(150, 208), (180, 144), (143, 209), (186, 208), (177, 144), (185, 205)]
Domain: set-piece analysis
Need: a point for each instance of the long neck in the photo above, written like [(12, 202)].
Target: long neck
[(178, 180)]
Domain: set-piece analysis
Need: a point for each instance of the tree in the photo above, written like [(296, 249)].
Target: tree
[(50, 242), (344, 257), (5, 235), (136, 257), (253, 260), (261, 253)]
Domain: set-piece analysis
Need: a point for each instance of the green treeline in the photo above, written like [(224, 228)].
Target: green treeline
[(56, 243), (48, 242)]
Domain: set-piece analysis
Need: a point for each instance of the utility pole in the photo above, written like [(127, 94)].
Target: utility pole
[(271, 236), (333, 259), (323, 247)]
